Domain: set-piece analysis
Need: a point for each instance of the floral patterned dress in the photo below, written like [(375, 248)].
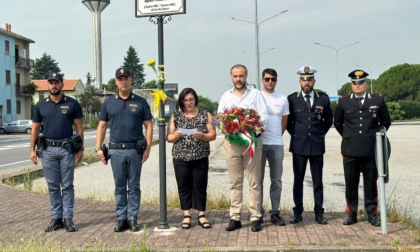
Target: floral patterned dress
[(189, 148)]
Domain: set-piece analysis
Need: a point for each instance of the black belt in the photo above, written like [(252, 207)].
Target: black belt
[(57, 143), (122, 145)]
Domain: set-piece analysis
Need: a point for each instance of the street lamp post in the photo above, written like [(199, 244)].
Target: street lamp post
[(257, 78), (336, 53), (371, 77), (96, 7), (257, 39)]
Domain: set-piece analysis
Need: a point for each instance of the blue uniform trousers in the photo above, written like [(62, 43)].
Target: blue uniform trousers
[(58, 165), (126, 168), (299, 170)]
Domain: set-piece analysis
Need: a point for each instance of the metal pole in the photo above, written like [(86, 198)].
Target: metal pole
[(163, 223), (257, 48), (371, 81), (97, 45), (336, 51), (381, 175)]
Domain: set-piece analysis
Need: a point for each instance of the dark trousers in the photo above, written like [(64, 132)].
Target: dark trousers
[(192, 178), (299, 169), (352, 168)]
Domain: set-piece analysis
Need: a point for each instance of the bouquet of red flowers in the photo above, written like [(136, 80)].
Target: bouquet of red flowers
[(241, 126)]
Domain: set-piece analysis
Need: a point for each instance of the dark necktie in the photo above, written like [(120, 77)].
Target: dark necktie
[(359, 100), (308, 100)]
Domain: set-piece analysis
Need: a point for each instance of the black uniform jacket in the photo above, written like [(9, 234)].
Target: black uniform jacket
[(308, 127), (358, 125)]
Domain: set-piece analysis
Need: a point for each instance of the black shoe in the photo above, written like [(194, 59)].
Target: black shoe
[(121, 226), (374, 221), (255, 226), (321, 219), (233, 225), (261, 220), (204, 224), (133, 226), (277, 220), (296, 219), (69, 225), (54, 225), (351, 219)]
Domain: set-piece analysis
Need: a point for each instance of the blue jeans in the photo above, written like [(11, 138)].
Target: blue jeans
[(274, 154), (126, 168), (58, 165)]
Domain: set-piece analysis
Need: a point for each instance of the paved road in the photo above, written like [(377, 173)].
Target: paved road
[(14, 149)]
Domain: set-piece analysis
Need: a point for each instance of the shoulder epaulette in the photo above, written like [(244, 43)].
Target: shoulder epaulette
[(294, 93)]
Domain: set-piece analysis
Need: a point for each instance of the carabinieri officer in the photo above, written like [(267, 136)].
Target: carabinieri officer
[(58, 113), (357, 118), (310, 119), (129, 149)]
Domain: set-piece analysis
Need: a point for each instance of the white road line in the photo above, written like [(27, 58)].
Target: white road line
[(15, 163)]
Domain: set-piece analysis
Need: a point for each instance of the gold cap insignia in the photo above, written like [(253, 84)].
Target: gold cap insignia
[(54, 74), (358, 74), (306, 69), (121, 70)]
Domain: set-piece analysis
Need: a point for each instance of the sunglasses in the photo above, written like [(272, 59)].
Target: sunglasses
[(273, 79)]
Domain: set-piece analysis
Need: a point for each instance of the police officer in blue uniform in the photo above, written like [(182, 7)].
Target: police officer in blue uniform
[(129, 148), (310, 119), (357, 118), (58, 113)]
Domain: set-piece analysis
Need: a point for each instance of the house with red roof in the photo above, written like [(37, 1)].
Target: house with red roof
[(72, 88)]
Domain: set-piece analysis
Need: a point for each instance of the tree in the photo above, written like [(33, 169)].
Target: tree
[(132, 63), (401, 82), (89, 103), (111, 86), (150, 85), (207, 104), (44, 66)]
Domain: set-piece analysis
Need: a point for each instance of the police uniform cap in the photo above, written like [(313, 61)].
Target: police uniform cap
[(55, 76), (306, 72), (358, 76), (122, 72)]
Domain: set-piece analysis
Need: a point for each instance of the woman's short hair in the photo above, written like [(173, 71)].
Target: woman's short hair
[(184, 93)]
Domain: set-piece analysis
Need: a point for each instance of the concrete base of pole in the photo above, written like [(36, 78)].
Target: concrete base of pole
[(169, 229)]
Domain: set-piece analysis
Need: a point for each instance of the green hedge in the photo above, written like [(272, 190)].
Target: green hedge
[(410, 108)]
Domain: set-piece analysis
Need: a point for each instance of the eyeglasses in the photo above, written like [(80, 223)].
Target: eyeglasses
[(273, 79), (188, 100)]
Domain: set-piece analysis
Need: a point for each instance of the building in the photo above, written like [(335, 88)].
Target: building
[(15, 86), (72, 88)]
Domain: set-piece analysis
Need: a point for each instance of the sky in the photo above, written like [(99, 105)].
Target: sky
[(201, 46)]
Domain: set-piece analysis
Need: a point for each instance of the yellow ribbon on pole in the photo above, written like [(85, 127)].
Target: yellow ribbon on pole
[(159, 96)]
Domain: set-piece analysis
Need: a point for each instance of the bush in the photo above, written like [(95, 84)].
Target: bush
[(411, 109), (93, 122), (395, 111)]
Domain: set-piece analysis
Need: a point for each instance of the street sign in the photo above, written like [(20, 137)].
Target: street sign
[(146, 8)]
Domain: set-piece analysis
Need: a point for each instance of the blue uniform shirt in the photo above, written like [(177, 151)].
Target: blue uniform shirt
[(126, 117), (57, 117)]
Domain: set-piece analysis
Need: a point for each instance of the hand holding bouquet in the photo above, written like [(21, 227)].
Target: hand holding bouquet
[(241, 126)]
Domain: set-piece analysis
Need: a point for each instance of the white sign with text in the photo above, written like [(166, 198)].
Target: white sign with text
[(159, 7)]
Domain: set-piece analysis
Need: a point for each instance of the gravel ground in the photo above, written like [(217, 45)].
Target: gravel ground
[(95, 181)]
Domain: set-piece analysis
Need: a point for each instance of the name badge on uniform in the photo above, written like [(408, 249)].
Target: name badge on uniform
[(64, 109), (133, 107)]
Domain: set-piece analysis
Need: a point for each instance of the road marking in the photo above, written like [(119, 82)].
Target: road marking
[(15, 163)]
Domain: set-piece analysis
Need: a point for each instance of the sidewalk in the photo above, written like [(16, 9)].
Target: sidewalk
[(24, 214)]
